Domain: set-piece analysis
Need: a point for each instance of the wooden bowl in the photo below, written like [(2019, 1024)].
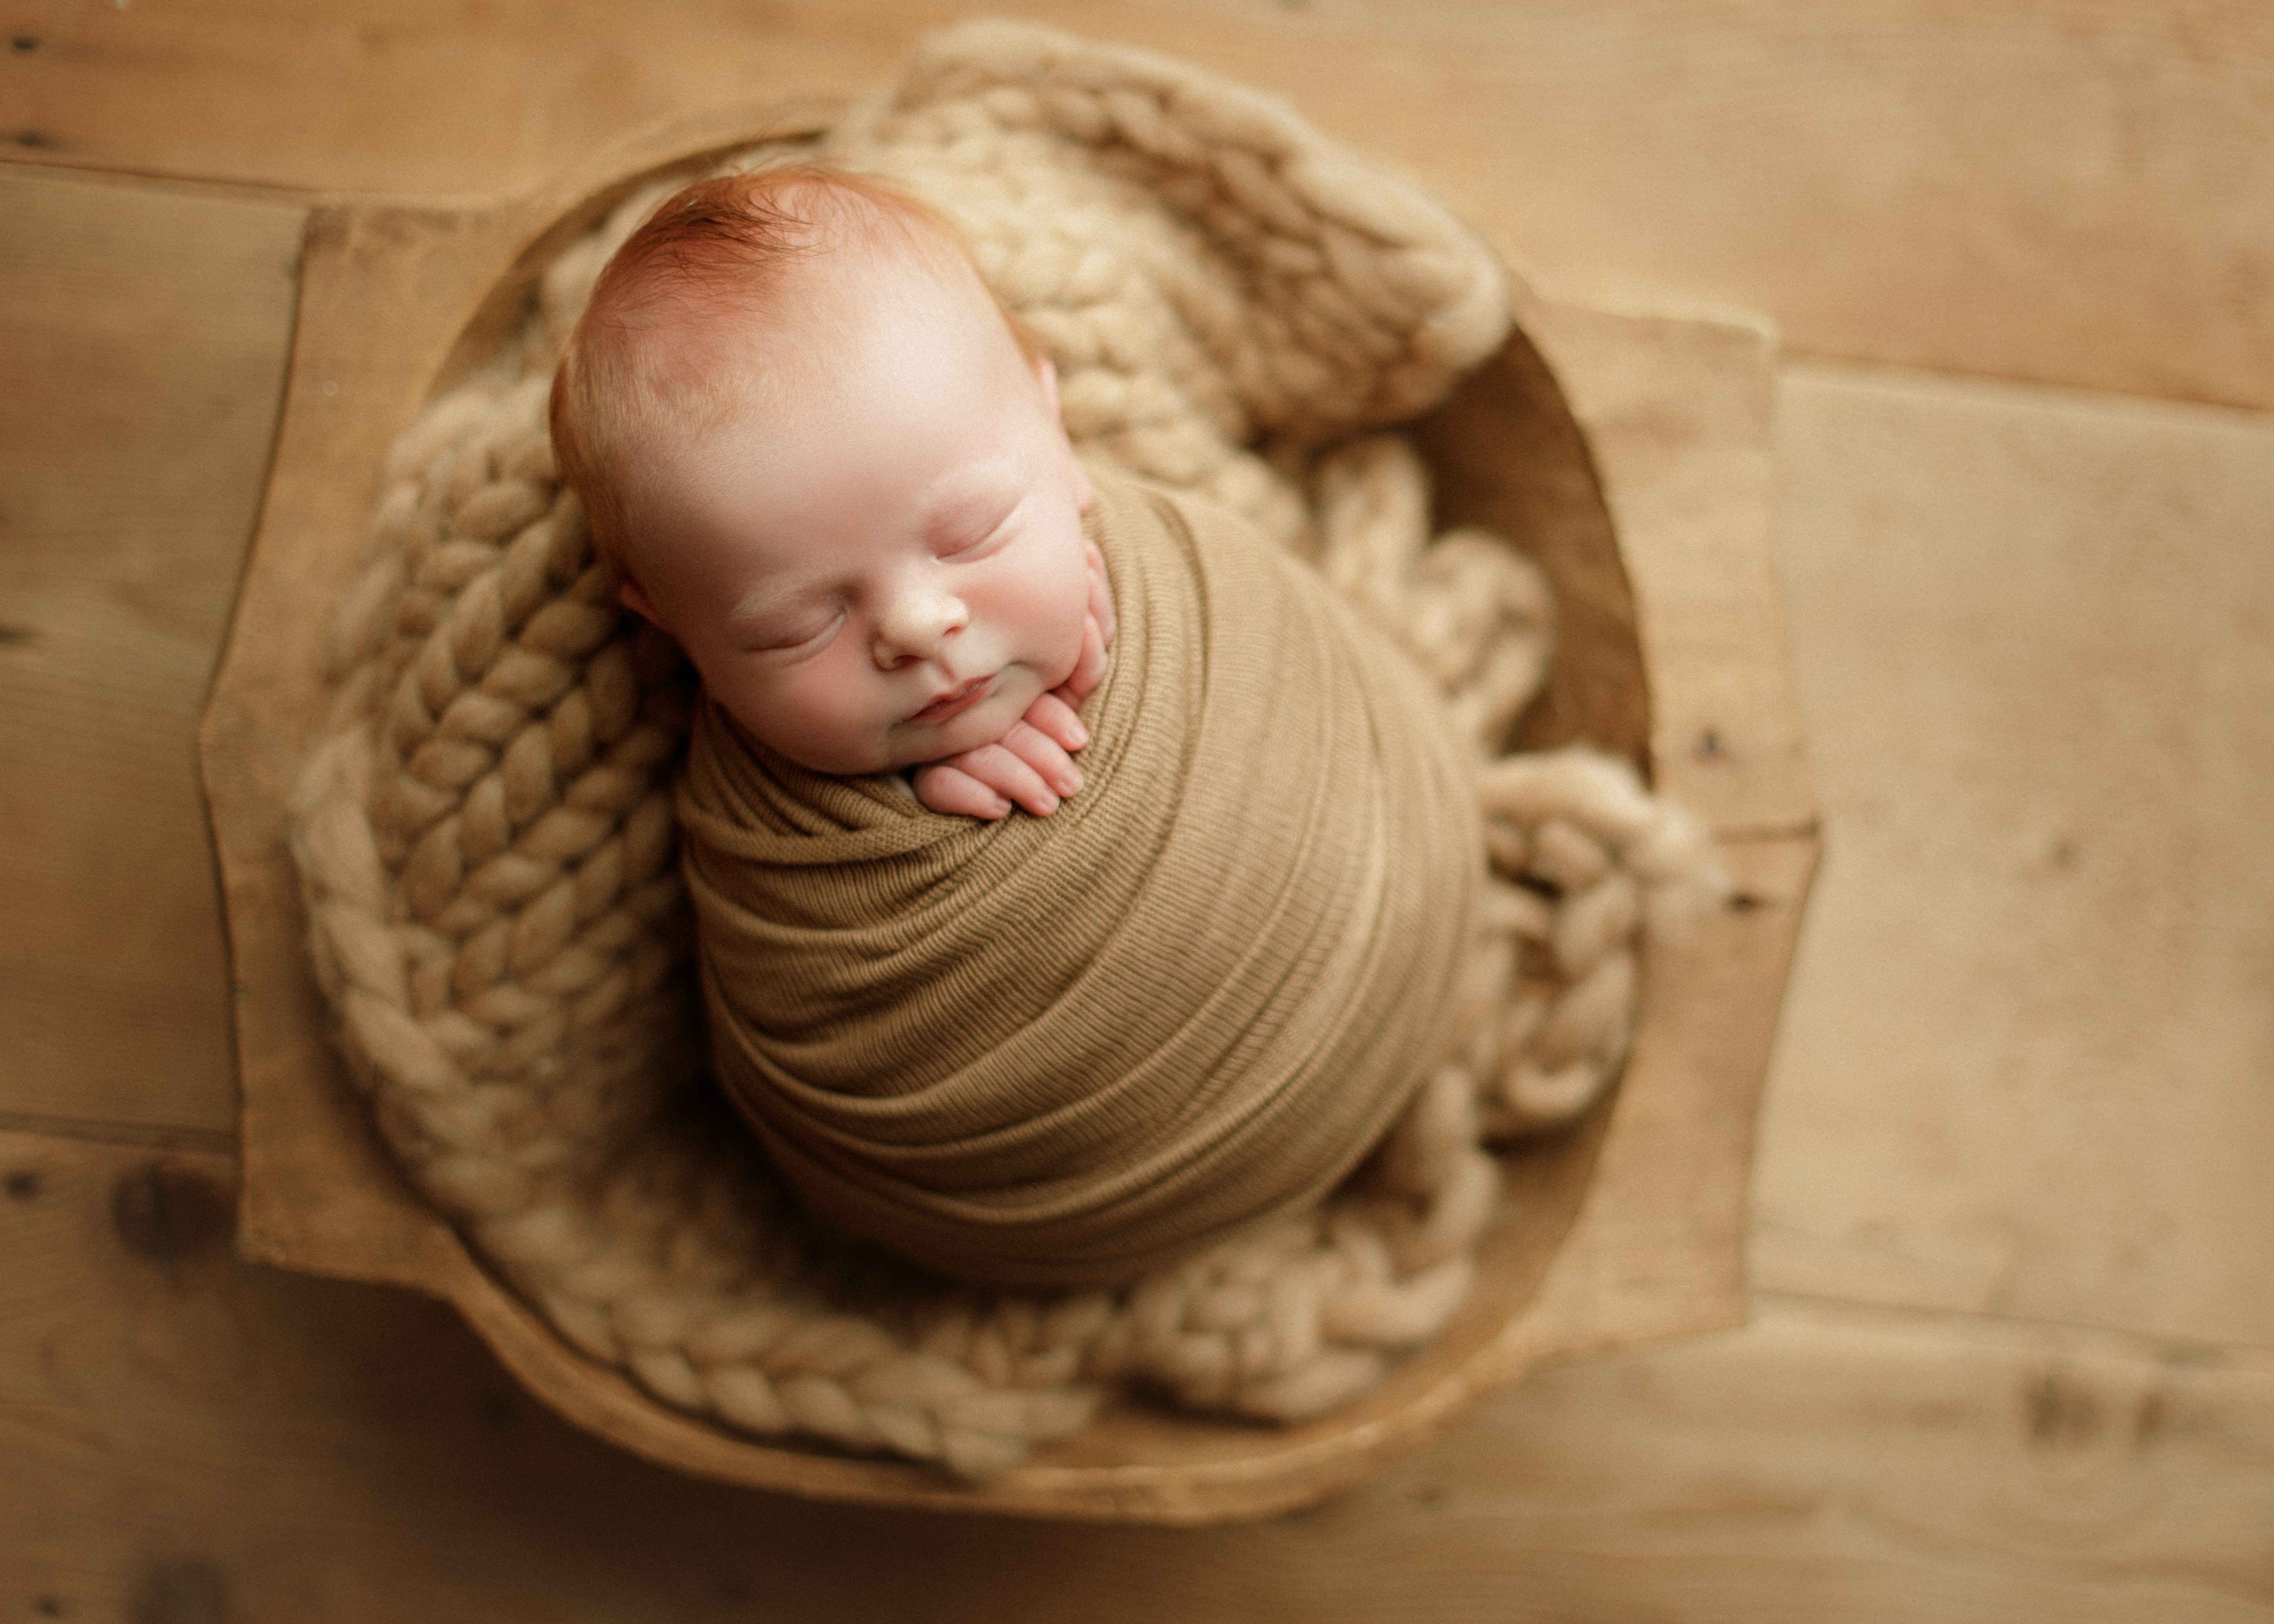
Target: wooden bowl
[(1630, 453)]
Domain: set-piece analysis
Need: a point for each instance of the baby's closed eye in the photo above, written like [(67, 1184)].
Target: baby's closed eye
[(972, 532), (804, 634)]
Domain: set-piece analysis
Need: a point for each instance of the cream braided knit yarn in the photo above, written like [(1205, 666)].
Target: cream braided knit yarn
[(486, 836)]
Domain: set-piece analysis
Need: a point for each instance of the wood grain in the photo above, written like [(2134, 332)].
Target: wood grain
[(186, 1431), (142, 340), (1678, 411), (2025, 1067), (2069, 190)]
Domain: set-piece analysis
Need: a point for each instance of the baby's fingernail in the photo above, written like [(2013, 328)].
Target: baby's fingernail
[(1050, 805), (1080, 735), (1069, 781), (1002, 808)]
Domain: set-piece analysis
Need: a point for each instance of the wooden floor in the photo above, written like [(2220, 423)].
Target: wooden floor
[(2013, 1349)]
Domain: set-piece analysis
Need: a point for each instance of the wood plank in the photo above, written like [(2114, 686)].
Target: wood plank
[(1678, 412), (2070, 191), (1830, 1464), (143, 332), (185, 1431), (2025, 1066)]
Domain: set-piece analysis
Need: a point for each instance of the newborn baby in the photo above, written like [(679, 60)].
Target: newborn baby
[(830, 467), (1058, 1050)]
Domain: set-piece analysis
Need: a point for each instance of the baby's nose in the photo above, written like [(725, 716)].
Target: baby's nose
[(916, 623)]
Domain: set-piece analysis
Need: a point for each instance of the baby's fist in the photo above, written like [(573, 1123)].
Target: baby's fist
[(1029, 768)]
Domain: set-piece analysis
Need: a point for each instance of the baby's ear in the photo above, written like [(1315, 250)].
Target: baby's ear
[(1046, 374), (635, 600)]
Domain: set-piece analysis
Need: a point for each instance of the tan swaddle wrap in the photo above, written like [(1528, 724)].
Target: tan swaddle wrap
[(1064, 1050)]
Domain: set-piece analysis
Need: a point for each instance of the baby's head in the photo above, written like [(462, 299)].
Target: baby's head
[(830, 467)]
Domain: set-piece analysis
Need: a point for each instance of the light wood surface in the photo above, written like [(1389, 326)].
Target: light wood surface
[(1904, 1433), (2078, 191), (2029, 1064), (135, 415), (183, 1429)]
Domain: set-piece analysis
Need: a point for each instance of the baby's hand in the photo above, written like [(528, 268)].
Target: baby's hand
[(1097, 628), (1029, 766)]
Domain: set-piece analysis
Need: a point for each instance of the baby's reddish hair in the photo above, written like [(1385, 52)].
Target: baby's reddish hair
[(713, 263)]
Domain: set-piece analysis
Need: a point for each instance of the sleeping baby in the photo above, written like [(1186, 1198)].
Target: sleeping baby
[(1190, 989), (878, 574)]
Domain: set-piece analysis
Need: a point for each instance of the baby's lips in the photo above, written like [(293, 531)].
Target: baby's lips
[(952, 704)]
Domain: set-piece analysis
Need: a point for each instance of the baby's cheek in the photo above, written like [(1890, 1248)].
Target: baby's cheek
[(758, 719), (800, 717), (843, 718)]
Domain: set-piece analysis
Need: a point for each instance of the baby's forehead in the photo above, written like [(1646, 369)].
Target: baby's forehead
[(719, 377), (813, 316)]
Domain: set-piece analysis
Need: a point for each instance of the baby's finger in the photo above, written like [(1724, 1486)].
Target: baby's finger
[(1041, 754), (1101, 595), (1089, 669), (951, 790), (1050, 716), (1004, 772)]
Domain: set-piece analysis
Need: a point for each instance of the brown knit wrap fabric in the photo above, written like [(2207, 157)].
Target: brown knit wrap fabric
[(1066, 1050)]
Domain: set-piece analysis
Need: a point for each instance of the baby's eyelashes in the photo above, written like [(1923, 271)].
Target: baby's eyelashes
[(972, 547), (977, 533), (800, 637)]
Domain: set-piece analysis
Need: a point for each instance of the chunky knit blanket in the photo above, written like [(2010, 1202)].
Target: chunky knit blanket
[(487, 833)]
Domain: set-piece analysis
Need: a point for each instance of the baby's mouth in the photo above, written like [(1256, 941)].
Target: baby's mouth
[(954, 702)]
